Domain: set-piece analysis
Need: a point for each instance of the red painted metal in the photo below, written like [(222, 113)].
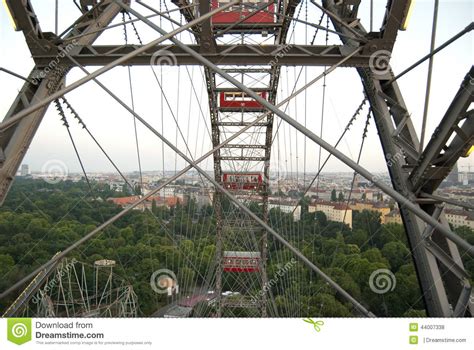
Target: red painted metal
[(240, 100), (241, 261), (236, 13), (242, 181)]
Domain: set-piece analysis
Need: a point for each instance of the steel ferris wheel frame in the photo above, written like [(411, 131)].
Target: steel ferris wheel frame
[(415, 174)]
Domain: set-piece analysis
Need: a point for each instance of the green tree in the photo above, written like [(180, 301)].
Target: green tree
[(340, 197), (396, 253), (321, 218), (333, 195)]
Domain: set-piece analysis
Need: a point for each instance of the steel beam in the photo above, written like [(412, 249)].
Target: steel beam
[(193, 164), (432, 158), (404, 202), (41, 84), (288, 55), (440, 286), (396, 12), (119, 61)]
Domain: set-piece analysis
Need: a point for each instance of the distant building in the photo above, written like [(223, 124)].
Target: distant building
[(360, 194), (202, 196), (24, 170), (319, 193), (126, 202), (393, 217), (459, 218), (453, 176), (382, 208), (286, 206), (334, 211), (167, 191)]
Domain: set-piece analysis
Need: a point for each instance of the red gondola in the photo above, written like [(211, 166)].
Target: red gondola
[(241, 261), (242, 181), (240, 100), (237, 12)]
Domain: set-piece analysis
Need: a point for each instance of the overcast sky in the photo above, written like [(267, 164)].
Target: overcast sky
[(113, 126)]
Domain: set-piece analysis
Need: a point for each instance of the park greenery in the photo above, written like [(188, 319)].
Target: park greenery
[(40, 219)]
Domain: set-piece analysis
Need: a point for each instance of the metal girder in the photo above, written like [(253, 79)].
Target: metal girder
[(437, 160), (42, 83), (230, 56), (440, 284), (397, 11), (240, 124), (244, 146), (185, 10), (206, 37), (26, 21), (307, 55), (28, 293), (242, 158)]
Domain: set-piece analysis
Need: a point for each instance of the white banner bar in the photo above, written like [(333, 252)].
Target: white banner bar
[(237, 334)]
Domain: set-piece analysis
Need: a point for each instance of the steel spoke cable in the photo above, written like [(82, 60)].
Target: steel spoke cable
[(84, 126), (323, 102), (132, 101), (428, 78), (125, 211), (346, 129), (61, 113)]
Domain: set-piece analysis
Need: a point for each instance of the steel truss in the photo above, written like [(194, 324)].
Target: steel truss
[(415, 177), (443, 280)]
